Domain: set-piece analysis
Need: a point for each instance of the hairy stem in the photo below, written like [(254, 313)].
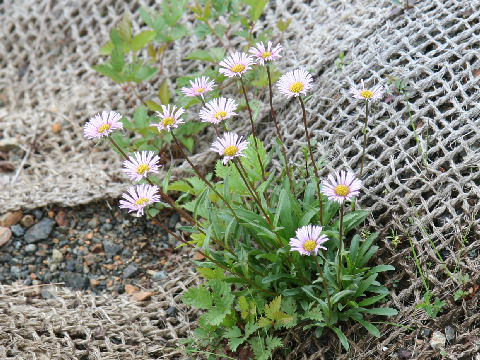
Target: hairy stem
[(274, 116), (326, 289), (340, 249), (253, 127), (314, 163), (365, 130)]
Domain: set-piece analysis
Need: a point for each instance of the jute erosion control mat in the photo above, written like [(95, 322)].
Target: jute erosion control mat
[(423, 183)]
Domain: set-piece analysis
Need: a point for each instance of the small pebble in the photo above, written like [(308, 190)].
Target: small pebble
[(438, 340), (30, 248), (160, 275), (130, 271), (17, 230), (5, 235), (57, 256), (27, 221), (449, 333)]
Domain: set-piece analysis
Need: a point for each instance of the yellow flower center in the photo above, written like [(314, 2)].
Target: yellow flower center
[(366, 94), (266, 54), (141, 202), (230, 150), (142, 169), (220, 115), (103, 128), (238, 68), (341, 190), (309, 245), (168, 121), (200, 90), (296, 87)]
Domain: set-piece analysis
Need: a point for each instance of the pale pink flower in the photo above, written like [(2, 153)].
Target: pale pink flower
[(217, 110), (365, 94), (343, 188), (262, 54), (198, 87), (308, 240), (141, 165), (236, 64), (230, 146), (102, 124), (295, 82), (170, 118), (138, 197)]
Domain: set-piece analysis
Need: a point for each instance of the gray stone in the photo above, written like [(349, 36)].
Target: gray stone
[(15, 271), (171, 311), (130, 270), (449, 333), (160, 275), (17, 230), (107, 227), (57, 256), (426, 332), (38, 214), (111, 249), (31, 248), (47, 294), (40, 231), (76, 281), (94, 222), (438, 340)]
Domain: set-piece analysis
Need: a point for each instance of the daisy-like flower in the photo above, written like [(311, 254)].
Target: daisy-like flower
[(198, 87), (139, 166), (295, 82), (236, 64), (263, 54), (217, 110), (230, 146), (170, 118), (138, 197), (343, 188), (308, 240), (365, 94), (102, 124)]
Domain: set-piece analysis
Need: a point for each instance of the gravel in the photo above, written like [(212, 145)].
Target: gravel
[(95, 247)]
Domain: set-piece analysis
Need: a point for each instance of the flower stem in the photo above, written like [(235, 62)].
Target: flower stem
[(274, 116), (167, 198), (253, 127), (340, 249), (326, 289), (365, 129), (317, 180), (204, 179), (250, 188)]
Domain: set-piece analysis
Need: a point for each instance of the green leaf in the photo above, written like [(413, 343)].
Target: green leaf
[(125, 28), (338, 296), (283, 25), (140, 117), (342, 337), (372, 329), (141, 39), (256, 8), (107, 48), (380, 268), (200, 54), (381, 311), (215, 316), (198, 297), (164, 93), (250, 328), (143, 73), (152, 105), (365, 284), (106, 69), (217, 53), (352, 220), (264, 322), (118, 60), (201, 30), (371, 300)]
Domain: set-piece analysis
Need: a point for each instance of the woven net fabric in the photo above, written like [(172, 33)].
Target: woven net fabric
[(421, 171), (80, 326)]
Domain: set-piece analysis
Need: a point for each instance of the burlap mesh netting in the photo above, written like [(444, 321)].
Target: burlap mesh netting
[(435, 45)]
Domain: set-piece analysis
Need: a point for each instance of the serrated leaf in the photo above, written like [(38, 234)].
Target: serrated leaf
[(283, 25), (250, 328), (107, 48), (273, 307), (264, 322), (125, 28), (215, 316), (141, 39), (198, 297), (256, 8)]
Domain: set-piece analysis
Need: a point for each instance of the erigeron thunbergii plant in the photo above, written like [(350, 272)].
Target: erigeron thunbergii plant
[(279, 249)]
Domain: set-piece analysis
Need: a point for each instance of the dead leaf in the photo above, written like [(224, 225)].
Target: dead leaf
[(142, 295), (130, 289)]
